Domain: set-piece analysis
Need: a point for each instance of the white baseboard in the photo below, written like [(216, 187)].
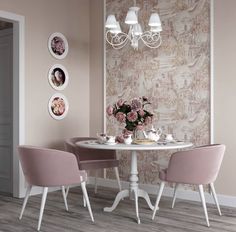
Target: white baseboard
[(224, 200)]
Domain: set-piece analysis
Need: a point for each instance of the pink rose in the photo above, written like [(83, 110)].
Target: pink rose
[(120, 103), (136, 104), (141, 113), (110, 110), (120, 117), (148, 120), (132, 116)]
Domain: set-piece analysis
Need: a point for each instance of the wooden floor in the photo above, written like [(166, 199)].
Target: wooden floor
[(185, 217)]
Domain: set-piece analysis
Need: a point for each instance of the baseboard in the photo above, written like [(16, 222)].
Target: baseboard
[(224, 200)]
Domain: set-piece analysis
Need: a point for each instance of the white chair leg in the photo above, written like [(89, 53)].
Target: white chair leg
[(96, 182), (44, 197), (174, 195), (215, 197), (162, 185), (136, 205), (84, 201), (27, 194), (117, 177), (201, 192), (64, 196), (67, 191), (85, 194)]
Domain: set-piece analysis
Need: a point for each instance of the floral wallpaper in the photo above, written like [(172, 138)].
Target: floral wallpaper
[(175, 77)]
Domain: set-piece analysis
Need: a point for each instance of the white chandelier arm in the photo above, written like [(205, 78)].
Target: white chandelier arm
[(117, 41), (150, 39)]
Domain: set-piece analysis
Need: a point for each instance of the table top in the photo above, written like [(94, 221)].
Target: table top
[(93, 144)]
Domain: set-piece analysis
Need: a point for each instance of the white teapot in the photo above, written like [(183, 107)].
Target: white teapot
[(153, 134)]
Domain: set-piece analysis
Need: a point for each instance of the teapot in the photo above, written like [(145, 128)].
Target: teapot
[(153, 134)]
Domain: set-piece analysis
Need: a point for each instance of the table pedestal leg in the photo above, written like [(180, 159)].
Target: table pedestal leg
[(134, 192), (144, 194), (121, 195)]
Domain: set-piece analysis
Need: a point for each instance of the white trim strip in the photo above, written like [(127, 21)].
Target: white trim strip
[(224, 200)]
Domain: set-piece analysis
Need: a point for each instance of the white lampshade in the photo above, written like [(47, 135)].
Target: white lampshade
[(111, 21), (117, 29), (156, 29), (131, 18), (138, 29), (154, 20)]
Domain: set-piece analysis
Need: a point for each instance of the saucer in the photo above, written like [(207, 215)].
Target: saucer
[(107, 143)]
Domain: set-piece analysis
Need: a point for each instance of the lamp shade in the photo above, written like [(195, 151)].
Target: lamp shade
[(131, 18), (154, 20), (156, 29), (138, 29), (117, 29), (111, 22)]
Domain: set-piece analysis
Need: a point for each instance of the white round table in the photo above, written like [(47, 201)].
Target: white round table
[(134, 192)]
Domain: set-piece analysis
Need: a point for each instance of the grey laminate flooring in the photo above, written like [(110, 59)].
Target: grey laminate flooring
[(186, 216)]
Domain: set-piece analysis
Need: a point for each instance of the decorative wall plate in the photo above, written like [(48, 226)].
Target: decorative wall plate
[(58, 45), (58, 77), (58, 106)]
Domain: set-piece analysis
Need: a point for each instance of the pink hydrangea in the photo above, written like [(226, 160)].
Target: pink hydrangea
[(110, 110), (120, 117), (132, 116)]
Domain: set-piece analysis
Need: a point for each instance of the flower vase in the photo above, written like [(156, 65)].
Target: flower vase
[(139, 133)]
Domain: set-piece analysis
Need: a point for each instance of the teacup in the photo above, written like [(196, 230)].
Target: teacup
[(110, 139), (101, 137), (169, 137)]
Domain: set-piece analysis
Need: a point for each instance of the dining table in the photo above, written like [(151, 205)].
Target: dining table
[(134, 192)]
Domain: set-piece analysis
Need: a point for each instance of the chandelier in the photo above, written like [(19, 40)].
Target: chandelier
[(118, 39)]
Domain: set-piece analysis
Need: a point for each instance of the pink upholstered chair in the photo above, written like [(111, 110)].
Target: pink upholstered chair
[(50, 168), (93, 159), (199, 166)]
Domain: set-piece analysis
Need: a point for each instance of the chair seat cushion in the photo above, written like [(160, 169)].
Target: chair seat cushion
[(163, 174), (98, 164)]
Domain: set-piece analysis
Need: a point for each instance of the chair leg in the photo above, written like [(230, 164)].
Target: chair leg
[(64, 196), (215, 197), (85, 194), (96, 182), (136, 205), (27, 194), (201, 192), (174, 195), (162, 185), (84, 201), (117, 177), (44, 197), (67, 191)]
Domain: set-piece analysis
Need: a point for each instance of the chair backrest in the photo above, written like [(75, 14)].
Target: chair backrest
[(48, 167), (197, 166), (84, 154)]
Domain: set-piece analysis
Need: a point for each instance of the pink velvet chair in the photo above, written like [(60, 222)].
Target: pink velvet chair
[(50, 168), (199, 166), (94, 159)]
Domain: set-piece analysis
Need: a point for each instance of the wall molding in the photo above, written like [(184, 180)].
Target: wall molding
[(18, 96), (224, 200)]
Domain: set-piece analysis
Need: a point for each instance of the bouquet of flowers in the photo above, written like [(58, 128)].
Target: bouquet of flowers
[(132, 114)]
